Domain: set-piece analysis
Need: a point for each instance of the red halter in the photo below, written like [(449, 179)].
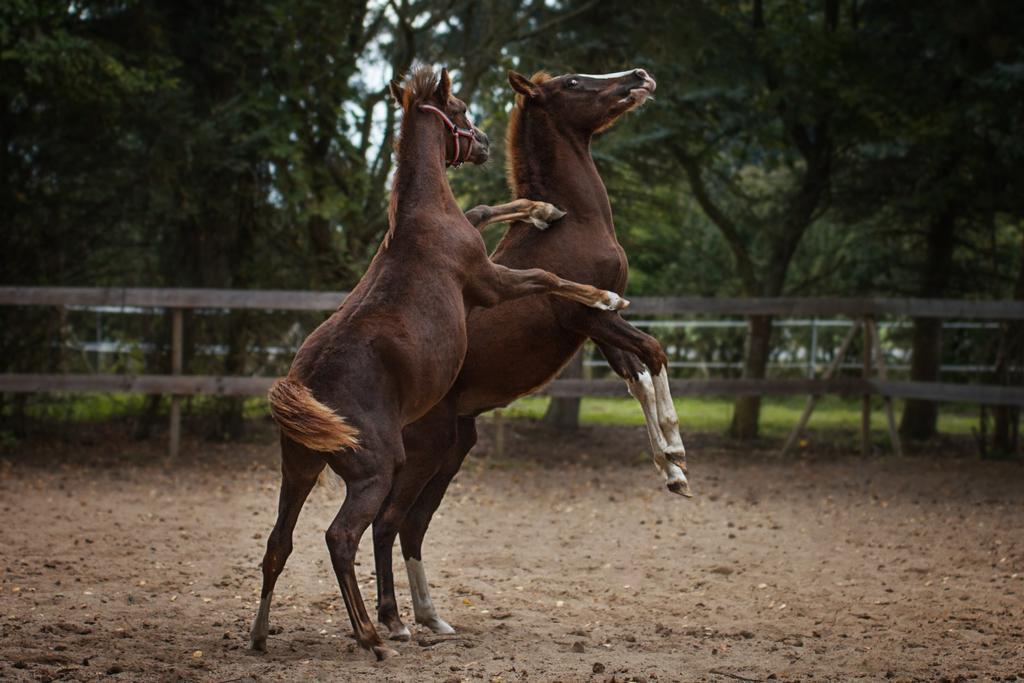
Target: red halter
[(457, 135)]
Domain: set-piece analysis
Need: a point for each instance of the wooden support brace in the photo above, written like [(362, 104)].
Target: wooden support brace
[(883, 374), (812, 401)]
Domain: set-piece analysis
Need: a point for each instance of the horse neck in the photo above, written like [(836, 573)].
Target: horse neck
[(555, 164), (420, 183)]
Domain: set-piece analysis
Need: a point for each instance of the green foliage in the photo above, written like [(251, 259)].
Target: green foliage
[(792, 147), (709, 414)]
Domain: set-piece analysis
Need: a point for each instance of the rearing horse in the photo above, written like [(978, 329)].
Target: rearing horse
[(396, 344), (519, 346)]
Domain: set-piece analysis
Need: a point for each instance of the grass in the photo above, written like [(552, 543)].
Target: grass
[(778, 415)]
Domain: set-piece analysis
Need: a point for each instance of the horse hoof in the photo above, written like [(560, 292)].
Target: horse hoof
[(544, 214), (681, 488), (439, 626), (258, 644), (382, 652), (402, 633), (612, 302)]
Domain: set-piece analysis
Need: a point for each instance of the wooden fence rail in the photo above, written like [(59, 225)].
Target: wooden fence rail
[(212, 385), (292, 300), (178, 384)]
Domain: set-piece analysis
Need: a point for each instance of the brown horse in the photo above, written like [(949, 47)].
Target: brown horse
[(395, 346), (521, 345)]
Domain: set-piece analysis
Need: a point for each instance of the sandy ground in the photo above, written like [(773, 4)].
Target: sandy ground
[(822, 567)]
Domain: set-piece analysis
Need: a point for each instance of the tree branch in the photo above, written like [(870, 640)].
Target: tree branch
[(744, 264)]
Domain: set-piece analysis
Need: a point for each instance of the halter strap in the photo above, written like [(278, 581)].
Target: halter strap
[(457, 135)]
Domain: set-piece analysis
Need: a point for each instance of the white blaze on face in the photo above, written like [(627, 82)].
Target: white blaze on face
[(422, 605), (617, 74)]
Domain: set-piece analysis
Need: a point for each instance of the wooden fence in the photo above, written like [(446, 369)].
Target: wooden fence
[(864, 310)]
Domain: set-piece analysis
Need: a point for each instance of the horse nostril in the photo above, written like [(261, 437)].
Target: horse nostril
[(641, 74)]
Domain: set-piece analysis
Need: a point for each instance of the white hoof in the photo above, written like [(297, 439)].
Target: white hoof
[(439, 626), (400, 634), (676, 481), (543, 215)]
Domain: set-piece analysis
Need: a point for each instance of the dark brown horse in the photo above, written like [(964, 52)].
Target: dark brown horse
[(395, 346), (519, 346)]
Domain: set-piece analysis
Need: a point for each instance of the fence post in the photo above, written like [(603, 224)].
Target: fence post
[(812, 358), (177, 341), (865, 408)]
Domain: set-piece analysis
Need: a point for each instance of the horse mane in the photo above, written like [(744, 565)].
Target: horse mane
[(515, 162), (417, 86)]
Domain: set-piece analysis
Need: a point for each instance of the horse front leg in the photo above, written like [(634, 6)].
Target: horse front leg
[(496, 283), (540, 214)]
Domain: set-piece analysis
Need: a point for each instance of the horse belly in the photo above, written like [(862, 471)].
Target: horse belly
[(514, 349), (426, 366)]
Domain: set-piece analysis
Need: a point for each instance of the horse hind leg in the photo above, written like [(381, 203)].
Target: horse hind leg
[(641, 386), (368, 481), (668, 421), (386, 526), (429, 443), (299, 471), (414, 528)]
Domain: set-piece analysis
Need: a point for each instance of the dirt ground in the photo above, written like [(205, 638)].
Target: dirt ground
[(581, 567)]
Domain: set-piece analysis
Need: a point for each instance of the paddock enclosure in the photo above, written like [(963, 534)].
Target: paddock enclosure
[(562, 560)]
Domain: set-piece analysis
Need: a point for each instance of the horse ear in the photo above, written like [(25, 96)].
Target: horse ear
[(397, 91), (444, 87), (522, 85)]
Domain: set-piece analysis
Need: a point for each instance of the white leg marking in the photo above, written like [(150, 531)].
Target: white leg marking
[(642, 389), (610, 301), (260, 627), (539, 223), (668, 421), (422, 605)]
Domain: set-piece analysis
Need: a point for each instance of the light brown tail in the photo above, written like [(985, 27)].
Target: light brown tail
[(308, 421)]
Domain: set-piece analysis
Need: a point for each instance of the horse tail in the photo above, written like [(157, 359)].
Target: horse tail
[(308, 421)]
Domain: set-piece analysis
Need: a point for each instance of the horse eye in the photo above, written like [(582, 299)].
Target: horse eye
[(573, 82)]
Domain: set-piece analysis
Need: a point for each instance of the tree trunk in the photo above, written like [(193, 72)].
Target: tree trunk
[(747, 409), (920, 418), (564, 413)]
